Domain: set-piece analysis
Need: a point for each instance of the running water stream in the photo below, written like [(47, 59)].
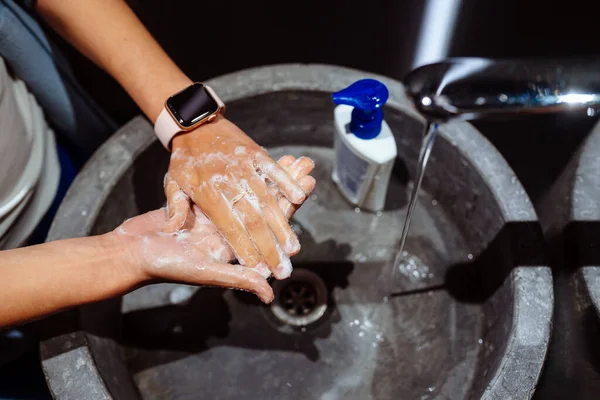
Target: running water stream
[(426, 146)]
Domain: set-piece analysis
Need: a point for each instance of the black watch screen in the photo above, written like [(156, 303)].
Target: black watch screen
[(192, 105)]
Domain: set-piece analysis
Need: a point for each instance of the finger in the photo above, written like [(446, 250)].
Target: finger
[(308, 184), (274, 216), (232, 276), (297, 170), (218, 209), (219, 250), (286, 161), (249, 211), (178, 205), (215, 244), (290, 188), (301, 167)]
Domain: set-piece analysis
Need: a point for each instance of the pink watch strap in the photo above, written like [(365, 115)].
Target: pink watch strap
[(166, 128)]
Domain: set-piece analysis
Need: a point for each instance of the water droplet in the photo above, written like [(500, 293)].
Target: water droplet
[(434, 202), (357, 210), (480, 101), (513, 179), (360, 257), (84, 213), (480, 341), (426, 101), (303, 329), (413, 268), (470, 256), (386, 299), (430, 276), (356, 321), (314, 197), (177, 329), (503, 97), (591, 112), (431, 388), (379, 213), (361, 334), (288, 384)]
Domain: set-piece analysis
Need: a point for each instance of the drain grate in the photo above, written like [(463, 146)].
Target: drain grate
[(300, 300)]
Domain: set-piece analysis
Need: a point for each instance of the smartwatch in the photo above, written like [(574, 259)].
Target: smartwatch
[(186, 110)]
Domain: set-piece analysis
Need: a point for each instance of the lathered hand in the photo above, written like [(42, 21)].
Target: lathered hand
[(227, 175), (198, 254)]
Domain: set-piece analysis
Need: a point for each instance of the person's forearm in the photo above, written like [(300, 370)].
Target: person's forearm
[(43, 279), (111, 35)]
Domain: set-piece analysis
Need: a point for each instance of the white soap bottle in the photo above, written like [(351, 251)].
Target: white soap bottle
[(365, 148)]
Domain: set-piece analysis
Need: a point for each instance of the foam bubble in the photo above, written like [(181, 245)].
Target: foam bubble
[(239, 150)]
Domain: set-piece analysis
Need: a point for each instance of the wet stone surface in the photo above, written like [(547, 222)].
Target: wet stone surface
[(383, 334)]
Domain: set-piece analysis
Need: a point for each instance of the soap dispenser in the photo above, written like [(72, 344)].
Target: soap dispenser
[(365, 148)]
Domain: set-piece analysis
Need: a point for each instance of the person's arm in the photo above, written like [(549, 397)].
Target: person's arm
[(110, 34), (40, 280), (43, 279), (50, 277)]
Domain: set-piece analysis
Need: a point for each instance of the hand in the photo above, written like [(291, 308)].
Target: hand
[(198, 254), (227, 175)]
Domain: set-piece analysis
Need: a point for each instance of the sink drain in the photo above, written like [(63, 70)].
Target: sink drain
[(301, 299)]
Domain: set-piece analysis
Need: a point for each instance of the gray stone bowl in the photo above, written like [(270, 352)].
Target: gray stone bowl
[(467, 318), (570, 215)]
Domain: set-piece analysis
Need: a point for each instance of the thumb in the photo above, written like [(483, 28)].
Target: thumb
[(178, 205), (231, 276)]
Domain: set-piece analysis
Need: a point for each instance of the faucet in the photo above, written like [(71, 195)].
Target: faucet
[(479, 88)]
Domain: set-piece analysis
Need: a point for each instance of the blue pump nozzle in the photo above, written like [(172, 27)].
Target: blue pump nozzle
[(367, 96)]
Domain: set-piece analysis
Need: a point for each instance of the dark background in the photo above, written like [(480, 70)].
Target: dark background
[(376, 36)]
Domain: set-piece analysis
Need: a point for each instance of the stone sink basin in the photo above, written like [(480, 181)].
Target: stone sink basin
[(467, 316), (570, 212)]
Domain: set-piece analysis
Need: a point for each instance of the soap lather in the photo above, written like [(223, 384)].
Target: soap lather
[(365, 147)]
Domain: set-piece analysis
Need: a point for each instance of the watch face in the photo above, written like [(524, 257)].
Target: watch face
[(192, 105)]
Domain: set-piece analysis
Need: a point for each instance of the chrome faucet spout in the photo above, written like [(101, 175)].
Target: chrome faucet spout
[(478, 88)]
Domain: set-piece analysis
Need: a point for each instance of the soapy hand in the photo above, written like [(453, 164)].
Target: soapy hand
[(229, 177), (198, 254)]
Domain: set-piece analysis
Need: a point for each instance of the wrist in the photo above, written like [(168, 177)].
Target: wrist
[(166, 86), (127, 258)]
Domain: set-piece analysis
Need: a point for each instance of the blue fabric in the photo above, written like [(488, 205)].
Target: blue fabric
[(67, 175)]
